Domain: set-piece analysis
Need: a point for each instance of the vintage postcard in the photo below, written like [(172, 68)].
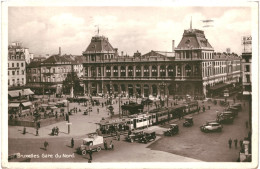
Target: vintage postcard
[(133, 84)]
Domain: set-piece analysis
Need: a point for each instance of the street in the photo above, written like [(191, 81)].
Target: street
[(189, 145)]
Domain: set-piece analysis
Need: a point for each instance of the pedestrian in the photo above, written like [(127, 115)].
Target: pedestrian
[(37, 132), (235, 141), (57, 131), (199, 109), (118, 136), (111, 145), (105, 145), (90, 155), (24, 130), (209, 107), (98, 110), (230, 143), (46, 144), (203, 108), (247, 124), (72, 143), (241, 143)]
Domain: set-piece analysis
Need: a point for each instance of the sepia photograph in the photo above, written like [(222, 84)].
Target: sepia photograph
[(119, 85)]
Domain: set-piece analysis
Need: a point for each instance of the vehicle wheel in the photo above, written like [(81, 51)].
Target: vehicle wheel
[(98, 149), (83, 152)]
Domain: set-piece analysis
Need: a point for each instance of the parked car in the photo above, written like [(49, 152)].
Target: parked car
[(174, 129), (147, 137), (226, 117), (237, 105), (211, 127), (134, 136), (233, 110), (93, 142), (188, 122)]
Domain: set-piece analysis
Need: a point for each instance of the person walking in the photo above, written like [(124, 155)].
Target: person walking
[(241, 143), (105, 145), (46, 144), (72, 143), (203, 108), (98, 110), (111, 145), (90, 155), (235, 141), (199, 109), (230, 143)]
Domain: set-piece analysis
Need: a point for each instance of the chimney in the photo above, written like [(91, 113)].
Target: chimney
[(173, 45), (122, 53), (59, 50), (228, 50)]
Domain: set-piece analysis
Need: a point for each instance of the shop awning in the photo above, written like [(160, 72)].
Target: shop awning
[(222, 85), (25, 104), (13, 105), (15, 93)]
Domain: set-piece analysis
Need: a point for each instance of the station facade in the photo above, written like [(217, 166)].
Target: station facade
[(192, 68)]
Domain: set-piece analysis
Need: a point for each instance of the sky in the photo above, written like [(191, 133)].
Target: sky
[(44, 29)]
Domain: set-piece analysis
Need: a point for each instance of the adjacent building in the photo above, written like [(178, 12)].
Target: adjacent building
[(16, 65), (191, 68)]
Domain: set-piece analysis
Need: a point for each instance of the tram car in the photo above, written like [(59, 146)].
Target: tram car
[(138, 121)]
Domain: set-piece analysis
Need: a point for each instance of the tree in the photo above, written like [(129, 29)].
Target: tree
[(72, 80)]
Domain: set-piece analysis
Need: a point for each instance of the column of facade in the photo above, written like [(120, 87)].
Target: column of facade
[(166, 70), (158, 70), (105, 69), (98, 88), (119, 71), (134, 69), (112, 69), (142, 71), (126, 71), (89, 73), (150, 70), (158, 90), (142, 89)]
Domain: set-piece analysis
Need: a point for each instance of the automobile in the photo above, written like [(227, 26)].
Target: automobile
[(233, 110), (93, 142), (134, 136), (226, 117), (237, 105), (188, 122), (147, 137), (211, 127), (174, 129)]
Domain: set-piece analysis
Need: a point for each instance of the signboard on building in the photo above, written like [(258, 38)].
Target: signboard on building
[(246, 40)]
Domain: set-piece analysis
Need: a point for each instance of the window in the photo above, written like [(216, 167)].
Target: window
[(154, 71), (130, 71), (178, 71), (17, 64), (146, 71), (115, 71), (170, 71), (248, 78), (188, 70), (8, 82), (196, 71), (53, 70), (86, 71), (108, 71), (17, 72), (162, 71), (122, 73), (22, 72), (99, 71), (12, 64), (138, 71), (21, 64), (13, 72), (247, 68)]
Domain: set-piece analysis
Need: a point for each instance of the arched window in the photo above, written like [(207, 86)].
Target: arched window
[(115, 88), (146, 71), (122, 71), (154, 71), (188, 70), (162, 71), (130, 71), (108, 71), (115, 71), (170, 71), (93, 72), (196, 70), (138, 71)]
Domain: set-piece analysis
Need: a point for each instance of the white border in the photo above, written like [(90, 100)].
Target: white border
[(255, 76)]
